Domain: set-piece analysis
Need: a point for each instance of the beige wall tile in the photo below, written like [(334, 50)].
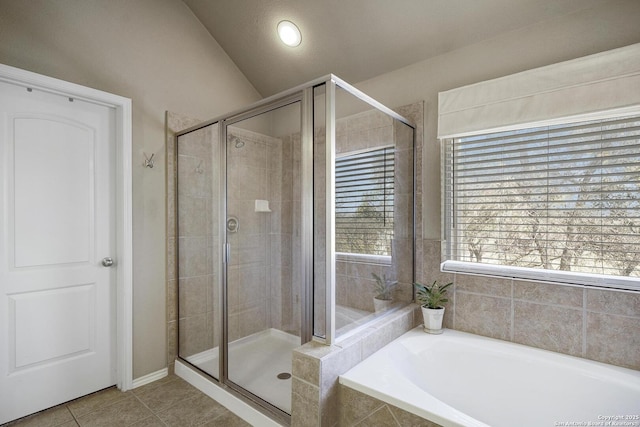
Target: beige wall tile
[(613, 339), (193, 257), (194, 176), (408, 419), (197, 143), (356, 406), (193, 295), (386, 331), (484, 285), (381, 417), (622, 303), (329, 404), (431, 264), (193, 336), (172, 273), (172, 344), (549, 327), (548, 293), (483, 315), (192, 217), (305, 404), (172, 300), (306, 368), (337, 362)]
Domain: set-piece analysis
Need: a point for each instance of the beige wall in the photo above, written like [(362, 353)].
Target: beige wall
[(156, 53)]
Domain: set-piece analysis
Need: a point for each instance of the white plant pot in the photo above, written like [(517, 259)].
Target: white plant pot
[(382, 304), (433, 319)]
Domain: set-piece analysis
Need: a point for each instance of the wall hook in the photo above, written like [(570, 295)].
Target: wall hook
[(148, 161)]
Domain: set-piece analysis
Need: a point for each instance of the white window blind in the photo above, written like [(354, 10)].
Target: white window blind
[(364, 202), (562, 198)]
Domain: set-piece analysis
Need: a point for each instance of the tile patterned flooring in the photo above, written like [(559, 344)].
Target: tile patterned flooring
[(169, 402)]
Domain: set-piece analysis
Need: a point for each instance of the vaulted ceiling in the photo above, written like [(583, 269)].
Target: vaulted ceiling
[(359, 39)]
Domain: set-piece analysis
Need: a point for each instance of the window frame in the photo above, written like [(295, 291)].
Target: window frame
[(451, 265), (346, 256)]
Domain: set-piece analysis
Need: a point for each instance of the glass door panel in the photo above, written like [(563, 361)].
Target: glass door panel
[(199, 271), (264, 287)]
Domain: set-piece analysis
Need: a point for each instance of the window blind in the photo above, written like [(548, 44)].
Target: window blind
[(562, 198), (364, 202)]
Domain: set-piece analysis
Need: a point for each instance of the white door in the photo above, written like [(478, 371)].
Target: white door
[(57, 223)]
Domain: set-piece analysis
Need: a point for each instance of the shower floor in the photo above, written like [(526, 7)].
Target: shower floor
[(255, 363)]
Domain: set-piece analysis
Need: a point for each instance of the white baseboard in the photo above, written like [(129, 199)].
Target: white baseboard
[(149, 378)]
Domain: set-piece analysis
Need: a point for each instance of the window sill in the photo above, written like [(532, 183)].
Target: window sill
[(549, 276), (363, 258)]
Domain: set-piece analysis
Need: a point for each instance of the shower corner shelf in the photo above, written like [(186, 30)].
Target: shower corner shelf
[(262, 206)]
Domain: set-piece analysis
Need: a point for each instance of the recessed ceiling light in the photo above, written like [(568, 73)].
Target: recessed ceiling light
[(289, 33)]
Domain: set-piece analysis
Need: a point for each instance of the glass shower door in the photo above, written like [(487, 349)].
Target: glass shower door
[(263, 286), (199, 275)]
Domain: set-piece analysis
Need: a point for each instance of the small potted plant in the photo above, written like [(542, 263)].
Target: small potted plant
[(384, 288), (432, 299)]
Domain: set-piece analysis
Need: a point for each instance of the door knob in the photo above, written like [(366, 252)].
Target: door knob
[(107, 261)]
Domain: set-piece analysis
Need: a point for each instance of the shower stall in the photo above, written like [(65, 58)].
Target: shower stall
[(291, 215)]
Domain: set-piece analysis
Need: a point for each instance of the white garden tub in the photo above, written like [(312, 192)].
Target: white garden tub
[(460, 379)]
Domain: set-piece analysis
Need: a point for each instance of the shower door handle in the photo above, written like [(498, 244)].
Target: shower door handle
[(226, 250)]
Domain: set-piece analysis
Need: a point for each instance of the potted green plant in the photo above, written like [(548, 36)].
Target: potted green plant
[(383, 288), (432, 299)]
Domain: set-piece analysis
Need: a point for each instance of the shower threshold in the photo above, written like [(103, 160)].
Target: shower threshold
[(255, 362)]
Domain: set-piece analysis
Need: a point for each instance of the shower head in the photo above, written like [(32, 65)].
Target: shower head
[(237, 142)]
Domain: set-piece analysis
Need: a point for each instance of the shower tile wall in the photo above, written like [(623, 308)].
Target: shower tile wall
[(291, 298), (198, 241), (260, 292), (174, 123)]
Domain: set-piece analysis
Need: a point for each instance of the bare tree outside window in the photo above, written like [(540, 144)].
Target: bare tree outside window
[(364, 202)]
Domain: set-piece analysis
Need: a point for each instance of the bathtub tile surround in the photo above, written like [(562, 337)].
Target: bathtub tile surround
[(359, 409), (613, 339), (593, 323), (483, 315), (456, 379), (549, 327), (316, 367)]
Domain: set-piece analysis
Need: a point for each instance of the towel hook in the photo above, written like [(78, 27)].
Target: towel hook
[(148, 161)]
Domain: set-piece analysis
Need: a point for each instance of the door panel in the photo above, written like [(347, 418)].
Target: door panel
[(45, 147), (35, 319), (57, 301)]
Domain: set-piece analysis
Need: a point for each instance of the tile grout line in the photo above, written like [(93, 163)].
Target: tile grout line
[(153, 413), (75, 419), (513, 313), (584, 322)]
